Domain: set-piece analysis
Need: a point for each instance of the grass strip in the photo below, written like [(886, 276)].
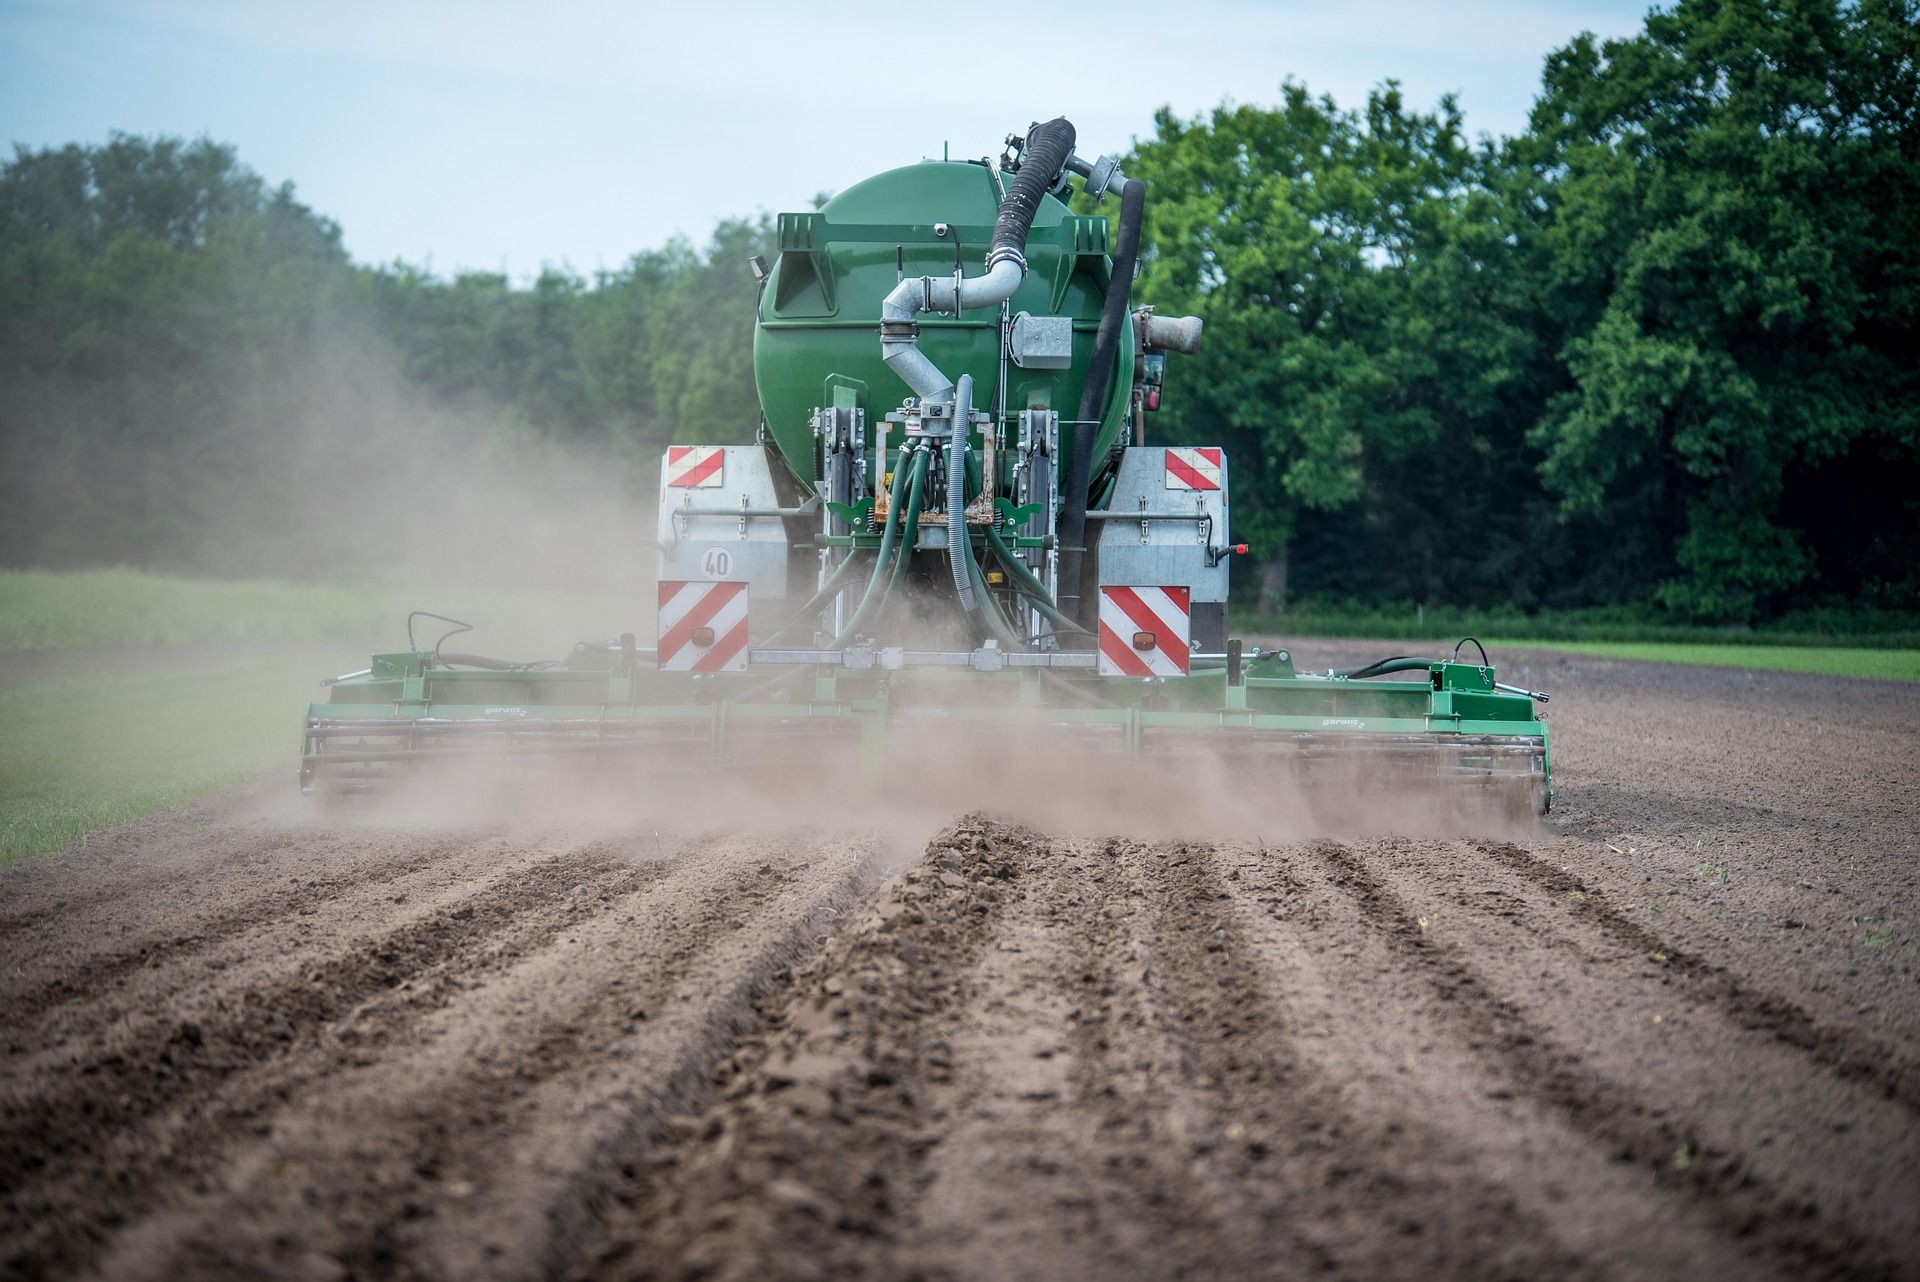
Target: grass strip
[(1828, 661), (80, 753), (122, 608)]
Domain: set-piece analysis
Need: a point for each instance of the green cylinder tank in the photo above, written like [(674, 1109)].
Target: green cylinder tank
[(818, 338)]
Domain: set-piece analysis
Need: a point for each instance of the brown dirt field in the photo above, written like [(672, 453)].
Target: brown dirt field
[(1673, 1032)]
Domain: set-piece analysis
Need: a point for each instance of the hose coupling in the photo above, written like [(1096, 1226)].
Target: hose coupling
[(1007, 254)]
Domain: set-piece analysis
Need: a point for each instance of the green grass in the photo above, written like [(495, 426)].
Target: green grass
[(62, 610), (80, 753), (1864, 627), (88, 609), (1831, 661), (99, 745)]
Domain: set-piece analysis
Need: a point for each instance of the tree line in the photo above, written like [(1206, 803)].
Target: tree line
[(1656, 351)]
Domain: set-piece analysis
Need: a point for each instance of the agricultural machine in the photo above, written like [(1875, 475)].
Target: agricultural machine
[(949, 523)]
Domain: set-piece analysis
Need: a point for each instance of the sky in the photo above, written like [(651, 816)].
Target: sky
[(509, 135)]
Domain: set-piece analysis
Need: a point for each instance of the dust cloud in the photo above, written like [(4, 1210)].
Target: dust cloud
[(330, 462)]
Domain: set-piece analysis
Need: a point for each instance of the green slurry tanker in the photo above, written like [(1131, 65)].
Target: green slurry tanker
[(948, 525)]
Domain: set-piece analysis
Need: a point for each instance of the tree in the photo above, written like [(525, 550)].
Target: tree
[(1725, 238), (1310, 239)]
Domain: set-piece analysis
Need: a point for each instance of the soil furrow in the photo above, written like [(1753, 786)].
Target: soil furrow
[(1375, 1025), (485, 1146), (1375, 1194), (84, 979), (181, 1074), (814, 1158), (1062, 1123), (1773, 1225), (1852, 1056)]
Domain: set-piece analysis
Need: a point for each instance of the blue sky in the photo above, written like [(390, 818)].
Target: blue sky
[(492, 135)]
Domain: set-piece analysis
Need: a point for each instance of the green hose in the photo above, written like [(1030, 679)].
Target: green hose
[(889, 540), (819, 599), (1030, 586), (910, 524), (996, 618)]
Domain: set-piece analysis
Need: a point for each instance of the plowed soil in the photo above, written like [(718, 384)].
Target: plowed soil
[(1673, 1031)]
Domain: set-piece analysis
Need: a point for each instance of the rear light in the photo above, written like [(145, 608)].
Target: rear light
[(1143, 641), (701, 636), (1153, 398)]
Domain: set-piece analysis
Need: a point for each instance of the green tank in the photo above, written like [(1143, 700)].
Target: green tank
[(818, 337)]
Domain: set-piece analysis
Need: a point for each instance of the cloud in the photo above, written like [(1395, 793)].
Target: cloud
[(581, 132)]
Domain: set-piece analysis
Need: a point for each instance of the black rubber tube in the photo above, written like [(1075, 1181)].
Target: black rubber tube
[(1383, 667), (1047, 148), (1106, 341)]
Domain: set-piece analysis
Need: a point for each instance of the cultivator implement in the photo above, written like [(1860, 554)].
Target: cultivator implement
[(971, 568), (1447, 722)]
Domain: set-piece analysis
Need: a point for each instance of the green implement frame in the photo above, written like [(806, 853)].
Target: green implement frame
[(1448, 718)]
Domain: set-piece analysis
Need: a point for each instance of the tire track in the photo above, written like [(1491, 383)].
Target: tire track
[(1774, 1227), (1850, 1055)]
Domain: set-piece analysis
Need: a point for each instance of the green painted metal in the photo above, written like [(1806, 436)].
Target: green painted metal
[(408, 708), (817, 342)]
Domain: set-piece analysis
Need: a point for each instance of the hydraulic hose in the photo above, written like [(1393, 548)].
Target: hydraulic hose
[(959, 548), (818, 601), (995, 619), (1380, 668), (910, 522), (888, 538), (1113, 317), (1029, 585)]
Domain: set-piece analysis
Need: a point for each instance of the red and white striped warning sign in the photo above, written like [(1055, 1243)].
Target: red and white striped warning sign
[(1144, 631), (1193, 467), (697, 465), (703, 626)]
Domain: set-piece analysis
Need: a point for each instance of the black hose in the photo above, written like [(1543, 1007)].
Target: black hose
[(1380, 668), (1106, 341), (1045, 154), (1476, 645)]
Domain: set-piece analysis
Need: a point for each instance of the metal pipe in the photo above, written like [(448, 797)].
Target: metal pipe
[(805, 509), (1047, 148), (1541, 695)]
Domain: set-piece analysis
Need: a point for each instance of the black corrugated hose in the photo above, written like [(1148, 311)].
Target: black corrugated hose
[(1045, 154), (1106, 341)]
